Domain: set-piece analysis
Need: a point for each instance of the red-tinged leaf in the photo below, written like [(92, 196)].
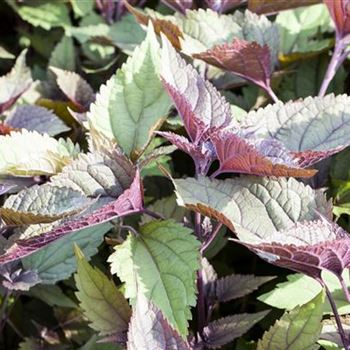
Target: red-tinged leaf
[(200, 105), (169, 29), (340, 13), (179, 5), (77, 89), (307, 247), (129, 202), (238, 155), (225, 330), (202, 154), (273, 6), (15, 83), (149, 330), (248, 60), (6, 129)]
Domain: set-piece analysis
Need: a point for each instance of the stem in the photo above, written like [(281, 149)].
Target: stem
[(271, 94), (337, 317), (201, 302), (197, 223), (337, 59), (213, 235), (131, 229), (152, 214), (345, 288), (3, 315)]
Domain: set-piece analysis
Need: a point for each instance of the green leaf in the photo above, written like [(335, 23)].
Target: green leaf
[(82, 8), (103, 304), (56, 261), (5, 55), (161, 264), (63, 56), (31, 153), (252, 204), (300, 289), (328, 345), (133, 102), (297, 329), (42, 204), (94, 344), (46, 15)]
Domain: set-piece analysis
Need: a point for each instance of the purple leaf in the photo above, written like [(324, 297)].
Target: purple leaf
[(77, 90), (222, 6), (15, 83), (129, 202), (149, 330), (238, 155), (237, 286), (179, 5), (4, 188), (249, 60), (340, 13), (36, 118), (225, 330), (273, 6)]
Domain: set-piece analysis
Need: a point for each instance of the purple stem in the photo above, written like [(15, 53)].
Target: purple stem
[(269, 90), (345, 288), (213, 235), (152, 214), (338, 58)]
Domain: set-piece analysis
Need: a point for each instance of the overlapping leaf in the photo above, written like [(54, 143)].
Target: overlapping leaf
[(129, 202), (133, 102), (160, 264), (31, 153), (15, 83), (36, 118), (149, 329)]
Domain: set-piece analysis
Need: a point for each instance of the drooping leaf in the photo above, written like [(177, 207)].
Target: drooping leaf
[(224, 330), (236, 286), (273, 6), (133, 102), (249, 60), (160, 264), (313, 128), (36, 118), (56, 261), (129, 202), (258, 205), (31, 153), (42, 204), (15, 83), (63, 56), (297, 329), (75, 88), (102, 303), (149, 329)]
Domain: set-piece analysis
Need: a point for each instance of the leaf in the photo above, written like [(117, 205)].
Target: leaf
[(56, 262), (160, 264), (15, 83), (149, 329), (46, 15), (82, 8), (102, 303), (236, 286), (249, 60), (16, 279), (169, 29), (42, 204), (340, 15), (272, 6), (316, 124), (75, 88), (240, 155), (129, 202), (128, 108), (63, 56), (36, 118), (222, 6), (297, 329), (179, 5), (257, 205), (224, 330), (31, 153)]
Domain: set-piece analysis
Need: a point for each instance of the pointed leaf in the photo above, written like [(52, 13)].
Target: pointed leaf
[(42, 204), (102, 303), (236, 286), (249, 60), (31, 153), (63, 56), (225, 330), (149, 329), (75, 88), (297, 329), (160, 264), (276, 203), (133, 102), (15, 83), (36, 118), (129, 202), (317, 124)]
